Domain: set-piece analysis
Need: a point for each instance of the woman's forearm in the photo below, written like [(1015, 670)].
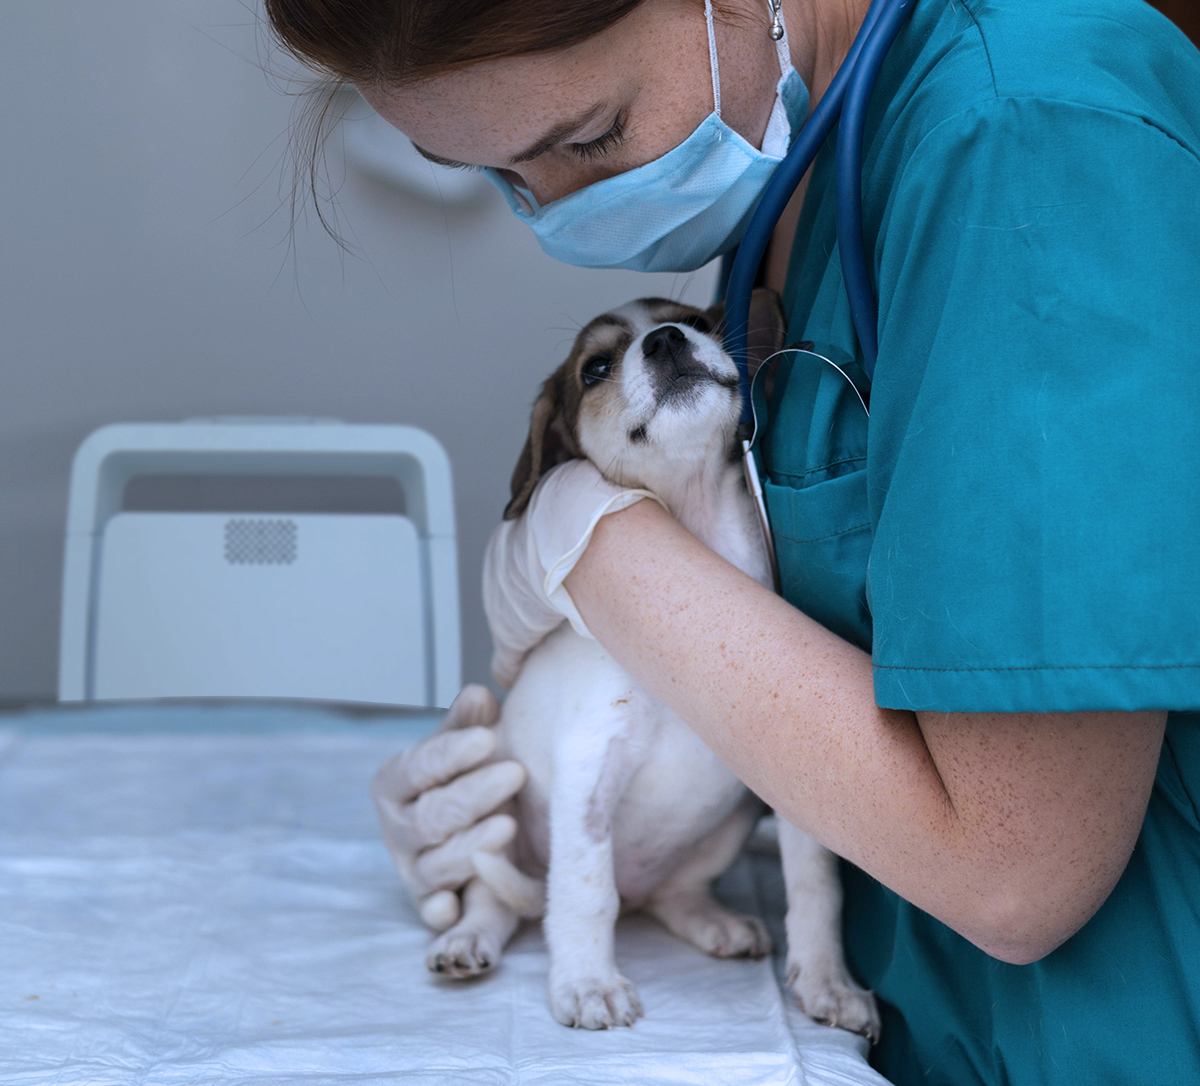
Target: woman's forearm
[(974, 818)]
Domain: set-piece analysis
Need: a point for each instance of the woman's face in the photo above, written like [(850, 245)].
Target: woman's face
[(556, 122)]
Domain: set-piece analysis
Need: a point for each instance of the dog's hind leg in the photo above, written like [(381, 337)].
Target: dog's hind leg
[(474, 944), (684, 904), (816, 967)]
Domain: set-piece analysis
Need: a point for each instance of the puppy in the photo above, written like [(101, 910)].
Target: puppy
[(624, 807)]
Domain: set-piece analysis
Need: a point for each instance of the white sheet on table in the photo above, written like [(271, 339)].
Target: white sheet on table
[(218, 909)]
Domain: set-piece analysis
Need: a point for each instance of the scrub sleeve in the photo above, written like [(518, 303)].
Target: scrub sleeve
[(1017, 525)]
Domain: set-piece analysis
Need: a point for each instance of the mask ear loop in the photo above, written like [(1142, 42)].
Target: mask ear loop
[(779, 36), (714, 67)]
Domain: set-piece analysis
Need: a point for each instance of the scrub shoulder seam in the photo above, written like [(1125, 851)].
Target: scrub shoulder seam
[(984, 43), (982, 108)]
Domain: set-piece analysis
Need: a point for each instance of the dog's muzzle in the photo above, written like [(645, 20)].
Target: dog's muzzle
[(672, 364)]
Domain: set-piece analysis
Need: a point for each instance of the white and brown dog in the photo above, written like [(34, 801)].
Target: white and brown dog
[(624, 807)]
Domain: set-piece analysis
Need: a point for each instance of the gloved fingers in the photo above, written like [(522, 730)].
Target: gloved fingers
[(435, 760), (449, 865), (437, 813), (475, 707), (528, 558)]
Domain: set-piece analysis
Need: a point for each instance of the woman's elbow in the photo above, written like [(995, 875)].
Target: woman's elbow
[(1021, 928), (1018, 948)]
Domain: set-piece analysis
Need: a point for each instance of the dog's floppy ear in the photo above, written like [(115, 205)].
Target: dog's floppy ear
[(549, 444), (767, 327)]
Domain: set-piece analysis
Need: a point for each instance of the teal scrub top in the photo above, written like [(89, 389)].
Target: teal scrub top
[(1017, 525)]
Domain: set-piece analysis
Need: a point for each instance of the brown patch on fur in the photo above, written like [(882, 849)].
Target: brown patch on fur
[(552, 426), (551, 438), (766, 330)]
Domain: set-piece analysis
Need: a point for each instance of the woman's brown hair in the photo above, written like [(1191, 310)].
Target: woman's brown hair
[(406, 41)]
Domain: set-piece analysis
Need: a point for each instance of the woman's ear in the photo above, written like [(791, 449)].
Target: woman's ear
[(549, 444), (766, 329)]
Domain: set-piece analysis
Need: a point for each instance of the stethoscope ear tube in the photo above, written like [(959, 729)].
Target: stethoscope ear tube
[(864, 308), (852, 85), (787, 178)]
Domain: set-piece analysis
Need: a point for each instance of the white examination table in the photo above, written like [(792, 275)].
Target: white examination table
[(197, 894)]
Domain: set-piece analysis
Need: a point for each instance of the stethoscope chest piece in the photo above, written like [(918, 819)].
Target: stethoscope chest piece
[(754, 486), (854, 376)]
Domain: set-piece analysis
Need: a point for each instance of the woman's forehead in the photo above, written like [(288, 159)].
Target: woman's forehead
[(493, 111), (487, 111)]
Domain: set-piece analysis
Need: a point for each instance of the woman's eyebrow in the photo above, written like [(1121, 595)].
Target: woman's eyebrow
[(539, 147), (558, 134)]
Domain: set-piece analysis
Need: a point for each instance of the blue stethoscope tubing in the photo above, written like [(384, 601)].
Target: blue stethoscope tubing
[(847, 97)]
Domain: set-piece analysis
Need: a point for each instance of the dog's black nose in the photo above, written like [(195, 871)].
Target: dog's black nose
[(665, 344)]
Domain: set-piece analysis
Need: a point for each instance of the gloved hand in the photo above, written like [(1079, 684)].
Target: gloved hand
[(432, 802), (529, 558)]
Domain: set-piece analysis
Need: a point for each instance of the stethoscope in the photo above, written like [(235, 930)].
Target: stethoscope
[(847, 98)]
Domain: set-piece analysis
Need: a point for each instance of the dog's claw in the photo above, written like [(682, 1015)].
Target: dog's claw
[(827, 995), (462, 954), (595, 1004)]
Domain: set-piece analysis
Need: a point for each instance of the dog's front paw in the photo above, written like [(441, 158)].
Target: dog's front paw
[(592, 1003), (463, 952), (826, 993)]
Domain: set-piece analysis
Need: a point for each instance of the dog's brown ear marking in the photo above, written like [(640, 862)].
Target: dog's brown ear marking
[(766, 330), (549, 444)]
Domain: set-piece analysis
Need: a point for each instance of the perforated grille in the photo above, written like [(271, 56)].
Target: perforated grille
[(260, 541)]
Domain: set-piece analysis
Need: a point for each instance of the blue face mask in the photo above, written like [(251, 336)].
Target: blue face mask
[(679, 211)]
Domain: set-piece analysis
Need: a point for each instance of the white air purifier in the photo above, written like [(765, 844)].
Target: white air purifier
[(333, 606)]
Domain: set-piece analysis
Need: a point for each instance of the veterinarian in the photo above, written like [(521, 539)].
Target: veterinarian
[(980, 684)]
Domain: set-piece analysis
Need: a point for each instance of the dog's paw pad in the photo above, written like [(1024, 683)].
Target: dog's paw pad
[(595, 1004), (828, 995), (462, 954)]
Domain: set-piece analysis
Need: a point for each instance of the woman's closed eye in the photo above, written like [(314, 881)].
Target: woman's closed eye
[(602, 144)]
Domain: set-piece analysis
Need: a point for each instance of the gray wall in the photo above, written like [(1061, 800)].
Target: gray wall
[(148, 273)]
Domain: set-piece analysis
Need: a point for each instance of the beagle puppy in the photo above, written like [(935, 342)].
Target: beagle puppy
[(624, 807)]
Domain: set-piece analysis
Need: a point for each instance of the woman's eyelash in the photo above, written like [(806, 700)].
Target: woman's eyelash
[(601, 145)]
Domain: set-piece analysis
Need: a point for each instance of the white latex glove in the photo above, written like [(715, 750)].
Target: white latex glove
[(435, 806), (529, 558)]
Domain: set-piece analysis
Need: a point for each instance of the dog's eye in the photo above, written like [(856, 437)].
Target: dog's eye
[(698, 321), (596, 369)]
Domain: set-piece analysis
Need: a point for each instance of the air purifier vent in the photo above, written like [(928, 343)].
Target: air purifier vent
[(260, 541)]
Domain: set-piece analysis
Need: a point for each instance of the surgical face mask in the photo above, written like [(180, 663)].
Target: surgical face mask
[(681, 210)]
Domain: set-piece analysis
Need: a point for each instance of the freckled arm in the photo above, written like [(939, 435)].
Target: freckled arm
[(1010, 828)]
